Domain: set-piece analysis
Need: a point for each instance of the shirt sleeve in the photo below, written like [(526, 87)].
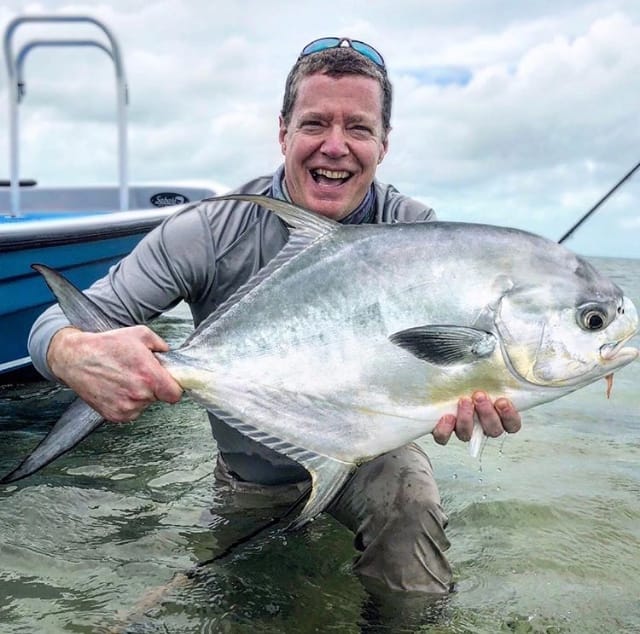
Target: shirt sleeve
[(163, 269)]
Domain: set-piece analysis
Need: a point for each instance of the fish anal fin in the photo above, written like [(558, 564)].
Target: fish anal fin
[(445, 345), (328, 476)]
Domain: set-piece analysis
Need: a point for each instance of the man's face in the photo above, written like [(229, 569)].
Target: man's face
[(333, 143)]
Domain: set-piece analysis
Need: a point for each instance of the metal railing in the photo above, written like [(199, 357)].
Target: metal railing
[(17, 91)]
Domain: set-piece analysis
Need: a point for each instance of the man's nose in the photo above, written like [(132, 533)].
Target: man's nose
[(335, 142)]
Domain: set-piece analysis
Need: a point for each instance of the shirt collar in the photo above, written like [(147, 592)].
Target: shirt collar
[(364, 213)]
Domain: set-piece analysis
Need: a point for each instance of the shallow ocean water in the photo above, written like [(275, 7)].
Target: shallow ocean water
[(545, 530)]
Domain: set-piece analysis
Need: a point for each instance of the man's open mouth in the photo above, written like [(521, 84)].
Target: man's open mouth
[(330, 177)]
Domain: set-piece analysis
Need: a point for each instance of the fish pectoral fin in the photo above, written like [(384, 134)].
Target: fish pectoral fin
[(328, 476), (445, 345), (77, 422)]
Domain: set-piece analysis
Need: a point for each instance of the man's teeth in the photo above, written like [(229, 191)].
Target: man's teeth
[(332, 174)]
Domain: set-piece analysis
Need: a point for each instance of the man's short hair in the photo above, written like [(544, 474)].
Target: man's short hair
[(336, 62)]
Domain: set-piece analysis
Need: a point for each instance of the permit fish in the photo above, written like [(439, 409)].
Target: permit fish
[(355, 339)]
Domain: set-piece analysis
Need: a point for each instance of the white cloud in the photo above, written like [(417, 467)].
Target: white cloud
[(544, 121)]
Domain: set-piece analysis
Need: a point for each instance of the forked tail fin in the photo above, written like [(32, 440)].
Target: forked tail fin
[(78, 308), (79, 420)]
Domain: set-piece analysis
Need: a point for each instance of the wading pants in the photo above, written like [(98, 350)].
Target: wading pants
[(392, 506)]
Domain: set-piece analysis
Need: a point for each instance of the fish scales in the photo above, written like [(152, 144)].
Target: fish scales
[(354, 340)]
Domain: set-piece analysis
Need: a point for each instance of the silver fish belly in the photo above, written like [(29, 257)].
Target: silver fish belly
[(354, 340)]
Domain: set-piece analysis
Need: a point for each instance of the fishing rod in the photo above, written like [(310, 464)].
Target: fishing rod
[(626, 177)]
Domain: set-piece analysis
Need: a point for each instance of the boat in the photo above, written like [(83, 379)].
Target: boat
[(82, 238), (81, 230)]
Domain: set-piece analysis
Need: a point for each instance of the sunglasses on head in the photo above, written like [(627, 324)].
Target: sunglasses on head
[(325, 43)]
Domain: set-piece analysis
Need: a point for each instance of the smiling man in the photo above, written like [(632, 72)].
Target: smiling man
[(334, 129), (332, 141)]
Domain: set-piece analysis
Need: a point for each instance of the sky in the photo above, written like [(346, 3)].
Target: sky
[(512, 113)]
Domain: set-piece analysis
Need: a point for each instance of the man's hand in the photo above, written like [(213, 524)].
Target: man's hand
[(495, 418), (115, 372)]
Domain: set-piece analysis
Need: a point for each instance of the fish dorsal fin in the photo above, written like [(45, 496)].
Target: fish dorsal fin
[(297, 217), (77, 307), (308, 228), (328, 475), (445, 345)]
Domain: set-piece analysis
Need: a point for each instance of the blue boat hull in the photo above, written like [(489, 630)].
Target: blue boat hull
[(76, 231), (25, 294)]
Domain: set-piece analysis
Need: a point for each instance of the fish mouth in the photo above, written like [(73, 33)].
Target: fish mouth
[(618, 351), (324, 176)]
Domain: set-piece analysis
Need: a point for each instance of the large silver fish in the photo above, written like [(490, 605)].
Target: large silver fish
[(354, 340)]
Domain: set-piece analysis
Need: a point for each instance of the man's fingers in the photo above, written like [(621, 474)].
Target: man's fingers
[(152, 340), (494, 418), (464, 425), (167, 389), (511, 421), (443, 430), (487, 415), (161, 385)]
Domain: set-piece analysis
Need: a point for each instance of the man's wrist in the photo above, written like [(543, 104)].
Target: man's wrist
[(58, 341)]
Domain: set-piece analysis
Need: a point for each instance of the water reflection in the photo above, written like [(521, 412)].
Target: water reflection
[(545, 537)]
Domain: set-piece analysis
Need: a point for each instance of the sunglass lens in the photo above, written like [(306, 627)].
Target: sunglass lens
[(368, 51), (320, 45), (325, 43)]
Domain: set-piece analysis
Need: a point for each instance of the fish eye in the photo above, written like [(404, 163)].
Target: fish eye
[(593, 319)]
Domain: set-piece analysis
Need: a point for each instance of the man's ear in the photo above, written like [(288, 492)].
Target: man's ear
[(282, 134), (384, 149)]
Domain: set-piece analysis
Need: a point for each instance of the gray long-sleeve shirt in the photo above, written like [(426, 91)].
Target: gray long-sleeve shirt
[(202, 255)]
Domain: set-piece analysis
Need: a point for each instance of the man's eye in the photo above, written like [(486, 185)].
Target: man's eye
[(362, 130)]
